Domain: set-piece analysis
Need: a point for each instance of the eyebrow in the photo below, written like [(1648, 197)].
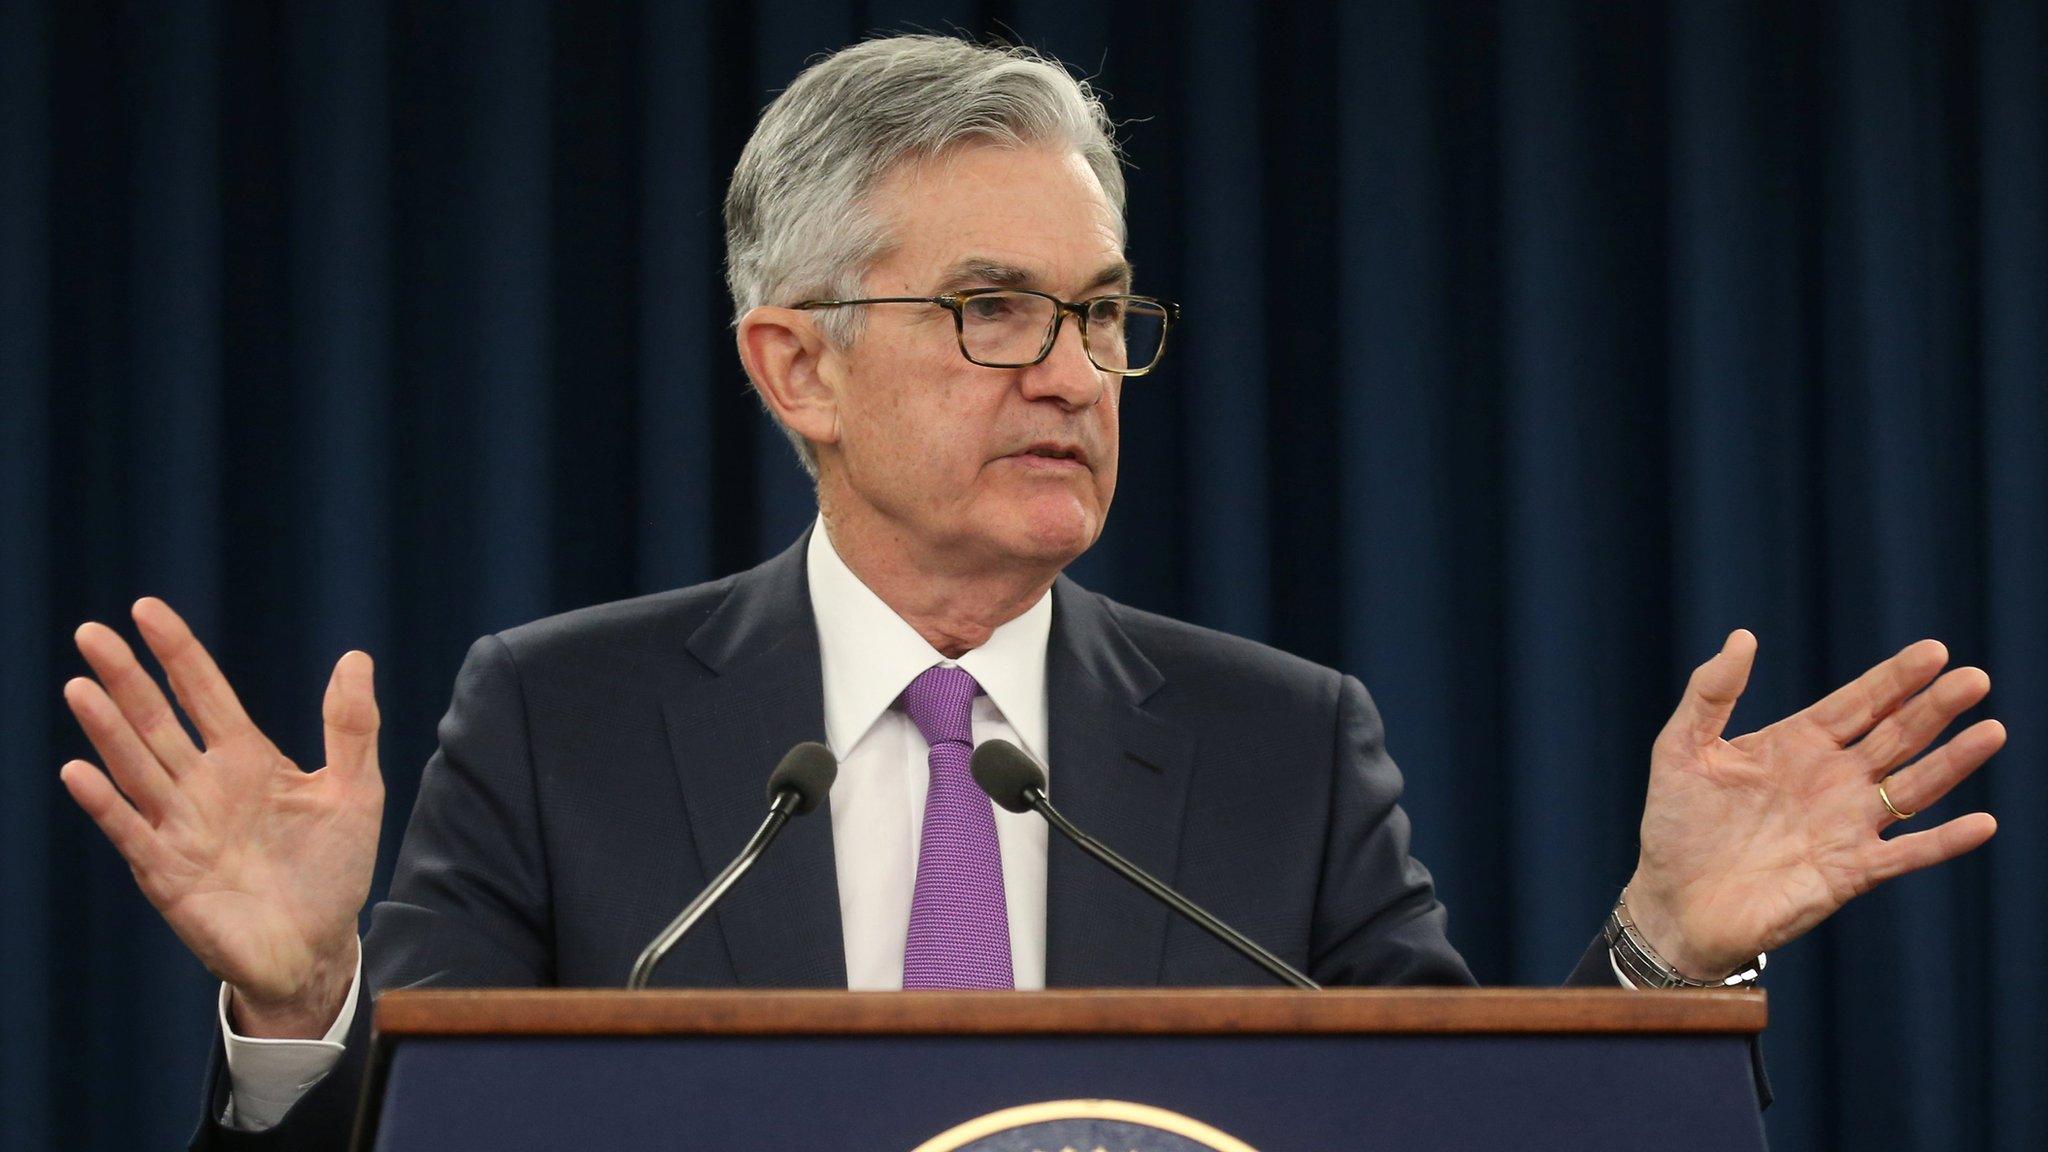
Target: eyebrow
[(980, 271)]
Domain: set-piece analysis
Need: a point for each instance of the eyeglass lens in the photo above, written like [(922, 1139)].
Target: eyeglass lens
[(1008, 329)]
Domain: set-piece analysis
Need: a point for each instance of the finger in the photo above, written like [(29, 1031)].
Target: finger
[(1900, 736), (1851, 710), (135, 692), (204, 692), (1924, 784), (1902, 854), (349, 713), (141, 776), (1715, 686), (122, 825)]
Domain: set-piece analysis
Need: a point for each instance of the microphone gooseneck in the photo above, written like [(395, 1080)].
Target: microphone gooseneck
[(798, 785), (1015, 782)]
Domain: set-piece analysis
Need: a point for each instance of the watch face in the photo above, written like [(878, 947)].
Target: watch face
[(1084, 1124)]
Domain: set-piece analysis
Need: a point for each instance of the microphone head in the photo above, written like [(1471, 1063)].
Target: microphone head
[(806, 770), (1007, 773)]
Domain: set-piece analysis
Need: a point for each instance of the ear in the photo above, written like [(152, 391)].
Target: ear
[(794, 368)]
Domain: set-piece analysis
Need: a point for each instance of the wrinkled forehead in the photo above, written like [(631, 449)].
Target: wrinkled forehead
[(997, 216)]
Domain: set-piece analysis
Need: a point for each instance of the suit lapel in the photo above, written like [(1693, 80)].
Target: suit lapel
[(1122, 775), (727, 732)]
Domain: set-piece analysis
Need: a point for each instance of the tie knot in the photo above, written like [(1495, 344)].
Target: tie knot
[(941, 703)]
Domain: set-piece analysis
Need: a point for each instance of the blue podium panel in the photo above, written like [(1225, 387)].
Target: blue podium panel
[(897, 1093)]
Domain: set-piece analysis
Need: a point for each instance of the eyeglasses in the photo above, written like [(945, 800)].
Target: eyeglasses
[(1016, 328)]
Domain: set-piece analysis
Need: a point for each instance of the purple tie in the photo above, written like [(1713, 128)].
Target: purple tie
[(959, 921)]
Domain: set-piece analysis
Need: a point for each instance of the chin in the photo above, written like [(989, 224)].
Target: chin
[(1052, 531)]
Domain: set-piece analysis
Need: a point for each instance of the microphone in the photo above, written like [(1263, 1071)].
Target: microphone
[(1013, 780), (797, 785)]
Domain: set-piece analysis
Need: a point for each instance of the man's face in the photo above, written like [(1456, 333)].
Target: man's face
[(941, 451)]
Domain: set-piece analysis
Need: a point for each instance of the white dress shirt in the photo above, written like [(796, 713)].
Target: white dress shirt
[(868, 656)]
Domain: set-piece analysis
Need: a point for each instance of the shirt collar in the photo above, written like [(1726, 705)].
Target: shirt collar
[(869, 655)]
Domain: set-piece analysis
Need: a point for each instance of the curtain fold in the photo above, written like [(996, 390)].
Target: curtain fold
[(2011, 246), (1528, 349), (28, 862)]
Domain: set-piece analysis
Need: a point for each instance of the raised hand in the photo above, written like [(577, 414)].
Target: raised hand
[(259, 868), (1748, 843)]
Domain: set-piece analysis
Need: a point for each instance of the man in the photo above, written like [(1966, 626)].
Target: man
[(925, 246)]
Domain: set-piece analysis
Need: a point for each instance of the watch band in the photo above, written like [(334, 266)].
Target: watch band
[(1645, 969)]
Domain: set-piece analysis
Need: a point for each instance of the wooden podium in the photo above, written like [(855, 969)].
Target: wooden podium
[(1130, 1070)]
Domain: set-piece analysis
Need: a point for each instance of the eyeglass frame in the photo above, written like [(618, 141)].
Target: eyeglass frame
[(955, 303)]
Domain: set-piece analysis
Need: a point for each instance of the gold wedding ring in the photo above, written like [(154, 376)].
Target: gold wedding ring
[(1890, 807)]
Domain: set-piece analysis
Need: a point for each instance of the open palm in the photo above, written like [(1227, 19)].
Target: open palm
[(1748, 843), (259, 867)]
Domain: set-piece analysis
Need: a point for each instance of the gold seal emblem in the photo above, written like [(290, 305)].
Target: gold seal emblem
[(1084, 1126)]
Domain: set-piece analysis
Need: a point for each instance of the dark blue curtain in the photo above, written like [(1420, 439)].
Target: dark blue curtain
[(1529, 349)]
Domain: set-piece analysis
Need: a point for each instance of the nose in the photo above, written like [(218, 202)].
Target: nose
[(1066, 374)]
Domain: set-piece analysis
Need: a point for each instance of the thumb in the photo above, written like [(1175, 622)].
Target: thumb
[(1715, 686), (349, 714)]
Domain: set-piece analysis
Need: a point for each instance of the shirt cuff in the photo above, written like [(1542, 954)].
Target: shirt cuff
[(1611, 963), (267, 1077)]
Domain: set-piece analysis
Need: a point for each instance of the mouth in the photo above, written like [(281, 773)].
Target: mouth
[(1051, 456)]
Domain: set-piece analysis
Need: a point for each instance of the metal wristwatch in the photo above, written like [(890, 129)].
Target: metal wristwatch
[(1645, 969)]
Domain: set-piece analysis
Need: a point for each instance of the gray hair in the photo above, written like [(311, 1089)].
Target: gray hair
[(797, 221)]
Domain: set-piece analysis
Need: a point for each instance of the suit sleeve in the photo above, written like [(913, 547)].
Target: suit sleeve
[(469, 900), (1377, 918)]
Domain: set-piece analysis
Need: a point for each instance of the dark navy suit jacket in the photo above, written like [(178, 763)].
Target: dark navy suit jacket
[(597, 768)]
